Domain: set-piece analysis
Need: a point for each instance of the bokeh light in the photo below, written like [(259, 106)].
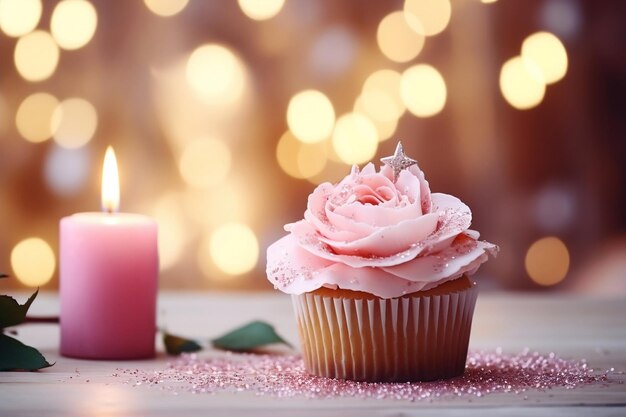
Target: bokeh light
[(74, 122), (388, 82), (546, 51), (379, 105), (310, 116), (423, 90), (73, 23), (333, 172), (36, 56), (235, 203), (311, 159), (216, 74), (204, 162), (19, 17), (261, 9), (385, 130), (232, 247), (33, 262), (564, 18), (380, 108), (547, 261), (300, 160), (431, 16), (287, 151), (380, 101), (172, 237), (67, 170), (355, 138), (521, 83), (166, 8), (555, 208), (397, 40), (34, 117), (334, 52)]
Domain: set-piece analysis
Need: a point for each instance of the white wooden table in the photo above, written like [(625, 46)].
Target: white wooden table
[(573, 327)]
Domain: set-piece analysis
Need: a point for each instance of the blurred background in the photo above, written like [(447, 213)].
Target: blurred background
[(225, 115)]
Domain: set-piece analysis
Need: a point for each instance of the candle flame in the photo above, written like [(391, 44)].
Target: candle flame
[(110, 183)]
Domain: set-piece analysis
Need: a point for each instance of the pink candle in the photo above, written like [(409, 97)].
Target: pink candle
[(108, 279)]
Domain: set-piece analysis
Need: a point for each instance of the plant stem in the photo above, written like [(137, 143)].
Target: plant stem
[(41, 319)]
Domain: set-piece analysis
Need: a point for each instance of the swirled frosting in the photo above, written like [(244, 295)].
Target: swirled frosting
[(380, 233)]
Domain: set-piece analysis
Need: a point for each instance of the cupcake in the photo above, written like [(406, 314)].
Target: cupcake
[(378, 271)]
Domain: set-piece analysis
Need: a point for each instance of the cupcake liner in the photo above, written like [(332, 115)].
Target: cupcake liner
[(412, 338)]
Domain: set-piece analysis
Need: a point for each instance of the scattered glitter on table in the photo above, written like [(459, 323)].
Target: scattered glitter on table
[(285, 376)]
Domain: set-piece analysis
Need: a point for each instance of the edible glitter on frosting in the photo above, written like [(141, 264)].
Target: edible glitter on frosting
[(486, 373), (381, 232)]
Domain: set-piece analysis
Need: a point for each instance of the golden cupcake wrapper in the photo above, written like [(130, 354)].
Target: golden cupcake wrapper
[(412, 338)]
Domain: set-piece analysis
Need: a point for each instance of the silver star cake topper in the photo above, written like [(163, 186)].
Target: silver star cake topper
[(398, 161)]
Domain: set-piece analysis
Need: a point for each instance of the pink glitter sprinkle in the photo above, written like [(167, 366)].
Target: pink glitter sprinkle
[(285, 376)]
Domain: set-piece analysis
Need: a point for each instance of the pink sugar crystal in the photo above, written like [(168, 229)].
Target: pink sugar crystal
[(285, 376)]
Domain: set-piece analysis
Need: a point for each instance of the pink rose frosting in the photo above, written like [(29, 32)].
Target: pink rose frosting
[(373, 234)]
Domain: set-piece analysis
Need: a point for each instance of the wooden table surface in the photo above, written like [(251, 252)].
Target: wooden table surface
[(572, 327)]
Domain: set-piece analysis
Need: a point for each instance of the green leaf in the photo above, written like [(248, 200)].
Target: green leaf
[(12, 312), (249, 337), (14, 355), (175, 345)]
